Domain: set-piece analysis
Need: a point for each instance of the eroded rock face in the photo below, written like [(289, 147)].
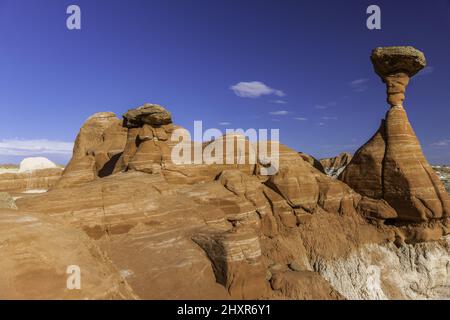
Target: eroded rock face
[(149, 113), (395, 66), (38, 253), (98, 146), (43, 179), (312, 161), (234, 228), (391, 165), (334, 166), (414, 271)]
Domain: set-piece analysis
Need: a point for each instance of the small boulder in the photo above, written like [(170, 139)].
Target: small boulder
[(152, 114)]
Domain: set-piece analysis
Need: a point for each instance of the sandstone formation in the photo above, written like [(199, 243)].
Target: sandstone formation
[(42, 179), (244, 231), (36, 254), (391, 165), (395, 66), (312, 161), (334, 166), (143, 225), (97, 148)]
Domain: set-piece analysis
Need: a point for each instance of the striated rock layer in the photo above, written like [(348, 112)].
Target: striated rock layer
[(42, 179), (391, 165), (37, 253)]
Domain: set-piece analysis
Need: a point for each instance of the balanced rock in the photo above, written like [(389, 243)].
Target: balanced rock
[(312, 161), (151, 114), (395, 66), (391, 165)]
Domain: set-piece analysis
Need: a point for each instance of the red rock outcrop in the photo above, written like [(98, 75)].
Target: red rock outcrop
[(98, 146), (391, 165), (312, 161), (218, 230), (235, 228), (37, 254), (42, 179), (334, 166)]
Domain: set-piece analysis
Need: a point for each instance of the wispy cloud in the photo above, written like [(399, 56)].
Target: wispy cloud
[(359, 85), (441, 143), (321, 124), (224, 123), (279, 113), (26, 148), (320, 106), (300, 118), (278, 101), (255, 89), (329, 118)]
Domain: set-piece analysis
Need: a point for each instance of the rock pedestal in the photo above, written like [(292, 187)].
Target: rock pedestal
[(391, 165), (395, 66)]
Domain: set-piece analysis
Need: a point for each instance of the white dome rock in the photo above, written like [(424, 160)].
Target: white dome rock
[(36, 163)]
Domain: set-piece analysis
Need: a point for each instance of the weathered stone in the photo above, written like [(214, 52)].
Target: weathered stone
[(151, 114), (395, 66), (391, 165)]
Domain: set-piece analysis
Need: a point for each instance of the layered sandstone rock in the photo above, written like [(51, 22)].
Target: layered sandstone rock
[(395, 66), (38, 253), (239, 229), (98, 146), (334, 166), (391, 165), (42, 179), (312, 161)]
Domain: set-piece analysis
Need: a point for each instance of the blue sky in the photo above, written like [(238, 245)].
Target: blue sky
[(312, 57)]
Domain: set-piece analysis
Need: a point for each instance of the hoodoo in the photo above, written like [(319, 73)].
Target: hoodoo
[(391, 165)]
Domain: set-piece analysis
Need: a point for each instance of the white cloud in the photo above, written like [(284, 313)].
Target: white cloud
[(441, 143), (224, 123), (279, 113), (28, 148), (321, 124), (254, 89), (320, 106), (329, 118), (359, 85), (279, 101), (300, 119)]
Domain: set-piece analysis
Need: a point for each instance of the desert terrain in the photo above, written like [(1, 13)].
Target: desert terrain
[(372, 225)]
